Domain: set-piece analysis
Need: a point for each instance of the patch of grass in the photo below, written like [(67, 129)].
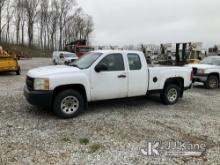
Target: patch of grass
[(95, 147), (84, 141), (66, 140)]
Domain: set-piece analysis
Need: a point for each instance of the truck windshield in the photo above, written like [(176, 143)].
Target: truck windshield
[(211, 61), (69, 55), (87, 60)]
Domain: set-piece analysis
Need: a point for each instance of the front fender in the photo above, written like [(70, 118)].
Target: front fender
[(76, 78)]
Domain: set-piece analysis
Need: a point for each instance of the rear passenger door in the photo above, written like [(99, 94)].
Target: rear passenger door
[(111, 83), (138, 75)]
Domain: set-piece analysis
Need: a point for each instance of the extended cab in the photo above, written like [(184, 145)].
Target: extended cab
[(207, 72), (103, 75)]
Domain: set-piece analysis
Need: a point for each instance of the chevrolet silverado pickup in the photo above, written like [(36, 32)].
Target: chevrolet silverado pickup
[(207, 72), (103, 75)]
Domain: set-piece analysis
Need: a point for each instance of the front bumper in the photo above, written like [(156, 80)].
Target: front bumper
[(200, 78), (39, 98)]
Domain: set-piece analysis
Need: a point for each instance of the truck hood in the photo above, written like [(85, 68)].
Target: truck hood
[(44, 72), (201, 66)]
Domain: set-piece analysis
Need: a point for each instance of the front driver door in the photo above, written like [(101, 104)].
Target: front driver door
[(111, 83)]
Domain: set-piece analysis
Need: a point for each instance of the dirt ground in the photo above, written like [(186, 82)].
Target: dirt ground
[(109, 132)]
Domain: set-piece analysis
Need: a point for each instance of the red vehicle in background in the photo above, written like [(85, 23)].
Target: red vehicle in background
[(79, 47)]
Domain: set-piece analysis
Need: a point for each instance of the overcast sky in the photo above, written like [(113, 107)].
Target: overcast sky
[(123, 22)]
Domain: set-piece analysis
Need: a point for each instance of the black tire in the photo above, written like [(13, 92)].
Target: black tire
[(54, 62), (66, 63), (68, 97), (212, 82), (18, 72), (166, 94)]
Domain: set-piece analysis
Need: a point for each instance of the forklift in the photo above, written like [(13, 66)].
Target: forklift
[(187, 55)]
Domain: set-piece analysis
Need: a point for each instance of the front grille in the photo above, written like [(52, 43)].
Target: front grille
[(30, 83), (195, 70)]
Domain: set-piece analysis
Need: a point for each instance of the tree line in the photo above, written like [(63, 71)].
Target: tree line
[(47, 24)]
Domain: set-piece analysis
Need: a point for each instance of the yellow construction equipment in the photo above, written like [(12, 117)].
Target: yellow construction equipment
[(8, 62), (188, 54)]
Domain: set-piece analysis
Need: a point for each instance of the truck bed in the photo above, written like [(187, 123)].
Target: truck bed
[(159, 74)]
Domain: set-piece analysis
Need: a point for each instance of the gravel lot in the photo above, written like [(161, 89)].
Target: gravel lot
[(110, 132)]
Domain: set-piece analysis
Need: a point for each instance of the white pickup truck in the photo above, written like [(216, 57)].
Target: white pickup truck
[(207, 72), (103, 75), (62, 57)]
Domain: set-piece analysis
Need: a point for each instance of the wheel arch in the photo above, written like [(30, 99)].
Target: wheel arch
[(215, 74), (179, 81), (78, 87)]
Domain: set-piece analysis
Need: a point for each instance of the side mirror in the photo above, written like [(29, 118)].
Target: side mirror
[(101, 67)]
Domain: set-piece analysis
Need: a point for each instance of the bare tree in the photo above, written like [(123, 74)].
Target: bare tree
[(2, 4), (19, 19), (9, 14), (89, 27), (53, 23), (48, 24), (31, 8), (17, 8), (65, 7), (23, 21), (79, 27), (43, 20)]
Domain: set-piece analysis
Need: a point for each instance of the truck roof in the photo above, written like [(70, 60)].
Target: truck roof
[(117, 51)]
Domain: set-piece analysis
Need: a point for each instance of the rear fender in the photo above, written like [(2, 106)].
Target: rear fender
[(179, 81)]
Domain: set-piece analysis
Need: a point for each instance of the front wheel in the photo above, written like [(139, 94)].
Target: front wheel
[(18, 72), (170, 94), (68, 104), (54, 62)]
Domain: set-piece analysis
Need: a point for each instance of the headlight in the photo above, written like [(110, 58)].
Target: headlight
[(201, 71), (41, 84)]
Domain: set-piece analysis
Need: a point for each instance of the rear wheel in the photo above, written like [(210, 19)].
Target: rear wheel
[(68, 104), (171, 94), (212, 82)]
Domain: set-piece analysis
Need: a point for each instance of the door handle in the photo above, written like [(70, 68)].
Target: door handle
[(122, 76)]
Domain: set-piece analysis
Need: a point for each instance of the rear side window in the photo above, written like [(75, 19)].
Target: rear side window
[(217, 62), (134, 61), (114, 62)]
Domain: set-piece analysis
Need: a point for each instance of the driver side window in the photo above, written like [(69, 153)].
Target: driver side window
[(61, 56), (113, 62)]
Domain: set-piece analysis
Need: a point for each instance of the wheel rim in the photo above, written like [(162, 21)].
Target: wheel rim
[(172, 95), (213, 83), (69, 104)]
